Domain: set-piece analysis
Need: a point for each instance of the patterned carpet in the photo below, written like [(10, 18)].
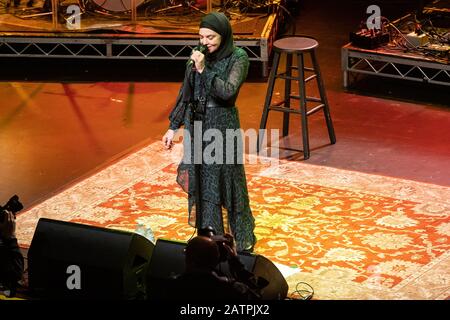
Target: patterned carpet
[(347, 234)]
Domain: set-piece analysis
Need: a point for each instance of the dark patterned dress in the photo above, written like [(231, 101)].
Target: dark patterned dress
[(223, 184)]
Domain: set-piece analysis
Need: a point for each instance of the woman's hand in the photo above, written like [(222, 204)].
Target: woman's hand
[(168, 139), (199, 60)]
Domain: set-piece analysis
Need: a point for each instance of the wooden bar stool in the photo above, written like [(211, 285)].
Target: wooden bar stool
[(296, 46)]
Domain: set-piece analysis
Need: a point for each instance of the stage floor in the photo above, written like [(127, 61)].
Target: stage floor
[(56, 132)]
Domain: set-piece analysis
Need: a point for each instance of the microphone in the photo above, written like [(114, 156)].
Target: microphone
[(202, 48)]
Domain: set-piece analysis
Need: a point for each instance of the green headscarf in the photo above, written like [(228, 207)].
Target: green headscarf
[(219, 23)]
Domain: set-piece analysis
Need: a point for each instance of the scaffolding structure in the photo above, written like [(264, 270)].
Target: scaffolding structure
[(379, 62), (110, 44)]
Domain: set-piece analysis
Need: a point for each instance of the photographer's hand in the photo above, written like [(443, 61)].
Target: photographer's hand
[(231, 250), (8, 226)]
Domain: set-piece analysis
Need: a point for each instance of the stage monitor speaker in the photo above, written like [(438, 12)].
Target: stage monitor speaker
[(75, 261), (263, 267), (167, 261)]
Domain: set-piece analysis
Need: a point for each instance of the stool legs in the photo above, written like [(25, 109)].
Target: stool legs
[(323, 96), (286, 109), (272, 77), (287, 94), (302, 93)]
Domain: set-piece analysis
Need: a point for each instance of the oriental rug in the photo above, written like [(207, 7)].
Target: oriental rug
[(349, 235)]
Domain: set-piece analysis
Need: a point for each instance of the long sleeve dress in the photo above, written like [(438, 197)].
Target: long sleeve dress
[(222, 184)]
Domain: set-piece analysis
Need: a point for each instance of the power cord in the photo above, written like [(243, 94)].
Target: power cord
[(291, 18), (402, 43), (305, 293)]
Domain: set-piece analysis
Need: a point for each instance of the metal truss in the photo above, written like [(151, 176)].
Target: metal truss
[(104, 48), (377, 63)]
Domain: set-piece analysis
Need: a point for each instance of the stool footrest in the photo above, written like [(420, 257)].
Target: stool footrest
[(310, 99), (281, 109), (304, 68), (277, 104), (284, 76), (284, 109), (315, 109), (311, 77)]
